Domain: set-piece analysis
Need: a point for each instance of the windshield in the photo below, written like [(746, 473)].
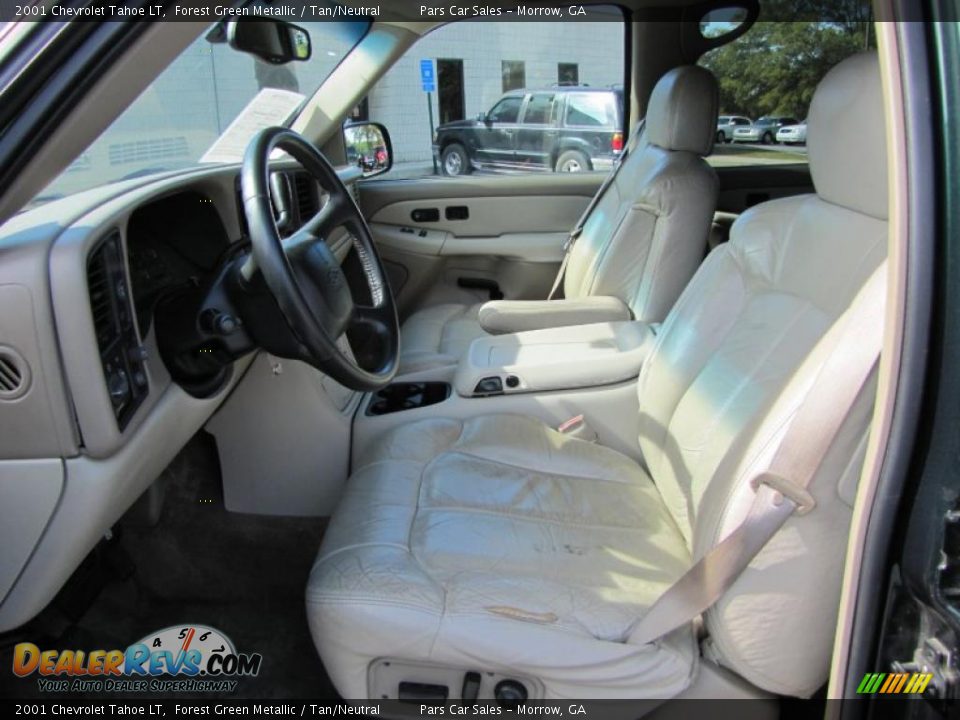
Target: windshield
[(181, 119)]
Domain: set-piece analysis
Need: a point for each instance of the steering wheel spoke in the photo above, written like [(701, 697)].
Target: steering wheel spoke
[(334, 213), (305, 278)]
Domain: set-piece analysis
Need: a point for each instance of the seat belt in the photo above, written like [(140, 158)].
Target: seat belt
[(781, 489), (598, 196)]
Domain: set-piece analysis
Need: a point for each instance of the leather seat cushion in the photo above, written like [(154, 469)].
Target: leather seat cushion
[(438, 336), (499, 543)]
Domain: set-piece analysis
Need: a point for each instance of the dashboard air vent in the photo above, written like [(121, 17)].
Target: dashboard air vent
[(120, 352), (306, 195), (14, 376), (98, 283)]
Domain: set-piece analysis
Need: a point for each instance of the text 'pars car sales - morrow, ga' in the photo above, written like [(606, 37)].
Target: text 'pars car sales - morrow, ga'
[(463, 11)]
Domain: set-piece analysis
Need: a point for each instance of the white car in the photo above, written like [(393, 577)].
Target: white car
[(793, 134)]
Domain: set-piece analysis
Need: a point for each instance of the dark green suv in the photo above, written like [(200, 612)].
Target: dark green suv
[(562, 129)]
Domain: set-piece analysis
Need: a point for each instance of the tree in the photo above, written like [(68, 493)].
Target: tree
[(776, 66)]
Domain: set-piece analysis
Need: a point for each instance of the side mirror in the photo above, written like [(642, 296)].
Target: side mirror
[(482, 117), (273, 41), (367, 145)]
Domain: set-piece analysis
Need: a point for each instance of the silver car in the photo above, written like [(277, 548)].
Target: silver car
[(726, 124), (763, 130), (793, 134)]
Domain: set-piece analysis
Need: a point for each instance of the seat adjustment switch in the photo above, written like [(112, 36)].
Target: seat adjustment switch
[(471, 686), (489, 386)]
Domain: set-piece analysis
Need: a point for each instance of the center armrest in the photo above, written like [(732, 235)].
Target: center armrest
[(554, 359), (499, 317)]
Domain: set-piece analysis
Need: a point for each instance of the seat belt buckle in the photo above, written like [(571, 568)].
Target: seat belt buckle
[(785, 488), (577, 427)]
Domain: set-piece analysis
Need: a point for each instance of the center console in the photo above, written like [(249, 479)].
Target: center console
[(553, 374), (554, 359)]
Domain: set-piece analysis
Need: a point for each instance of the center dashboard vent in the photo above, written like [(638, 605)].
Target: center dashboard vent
[(121, 355), (306, 195)]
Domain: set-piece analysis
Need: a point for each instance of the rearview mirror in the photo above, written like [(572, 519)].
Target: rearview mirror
[(274, 41), (367, 145)]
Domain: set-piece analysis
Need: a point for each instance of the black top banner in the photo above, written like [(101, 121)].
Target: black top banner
[(395, 10)]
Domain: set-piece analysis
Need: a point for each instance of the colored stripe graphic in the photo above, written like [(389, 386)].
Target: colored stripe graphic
[(894, 683)]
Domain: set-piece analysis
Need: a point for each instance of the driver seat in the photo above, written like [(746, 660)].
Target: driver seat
[(499, 545), (639, 247)]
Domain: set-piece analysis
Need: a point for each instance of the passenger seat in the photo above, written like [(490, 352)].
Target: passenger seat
[(639, 246)]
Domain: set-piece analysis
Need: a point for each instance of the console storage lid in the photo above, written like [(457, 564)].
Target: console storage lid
[(554, 359)]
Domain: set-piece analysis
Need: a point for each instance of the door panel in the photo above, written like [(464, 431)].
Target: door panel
[(491, 235)]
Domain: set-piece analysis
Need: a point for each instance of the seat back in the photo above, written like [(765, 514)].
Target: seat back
[(648, 233), (733, 361)]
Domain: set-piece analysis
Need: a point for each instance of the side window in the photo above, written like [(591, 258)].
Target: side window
[(539, 109), (483, 69), (505, 111), (767, 78), (590, 109)]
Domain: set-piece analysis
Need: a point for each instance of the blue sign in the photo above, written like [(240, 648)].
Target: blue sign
[(428, 80)]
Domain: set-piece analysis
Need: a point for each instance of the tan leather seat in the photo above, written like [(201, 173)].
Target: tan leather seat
[(496, 544), (640, 245)]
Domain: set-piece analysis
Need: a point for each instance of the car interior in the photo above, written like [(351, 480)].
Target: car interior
[(449, 437)]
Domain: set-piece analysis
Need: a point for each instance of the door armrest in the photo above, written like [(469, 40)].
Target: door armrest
[(500, 317)]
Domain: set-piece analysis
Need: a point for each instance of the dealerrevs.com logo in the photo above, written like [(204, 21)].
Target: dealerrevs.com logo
[(182, 658)]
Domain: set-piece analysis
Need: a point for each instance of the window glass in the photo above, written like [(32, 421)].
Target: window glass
[(514, 74), (506, 111), (539, 109), (177, 120), (770, 73), (589, 109), (568, 74), (477, 64)]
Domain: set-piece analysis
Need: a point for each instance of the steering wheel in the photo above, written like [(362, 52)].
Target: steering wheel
[(305, 278)]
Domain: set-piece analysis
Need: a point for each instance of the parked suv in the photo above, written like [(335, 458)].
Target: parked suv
[(726, 124), (763, 130), (564, 129)]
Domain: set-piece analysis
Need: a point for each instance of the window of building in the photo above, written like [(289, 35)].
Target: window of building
[(514, 74), (568, 74)]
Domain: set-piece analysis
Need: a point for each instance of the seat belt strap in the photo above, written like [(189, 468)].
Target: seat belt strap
[(781, 490), (594, 201)]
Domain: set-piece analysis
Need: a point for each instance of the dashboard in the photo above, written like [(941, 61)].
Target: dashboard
[(84, 282)]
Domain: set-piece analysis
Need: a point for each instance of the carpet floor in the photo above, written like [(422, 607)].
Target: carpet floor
[(241, 574)]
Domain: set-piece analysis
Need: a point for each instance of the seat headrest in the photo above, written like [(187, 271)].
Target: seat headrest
[(682, 114), (846, 137)]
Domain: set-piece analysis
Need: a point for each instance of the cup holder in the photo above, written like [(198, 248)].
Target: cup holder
[(407, 396)]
